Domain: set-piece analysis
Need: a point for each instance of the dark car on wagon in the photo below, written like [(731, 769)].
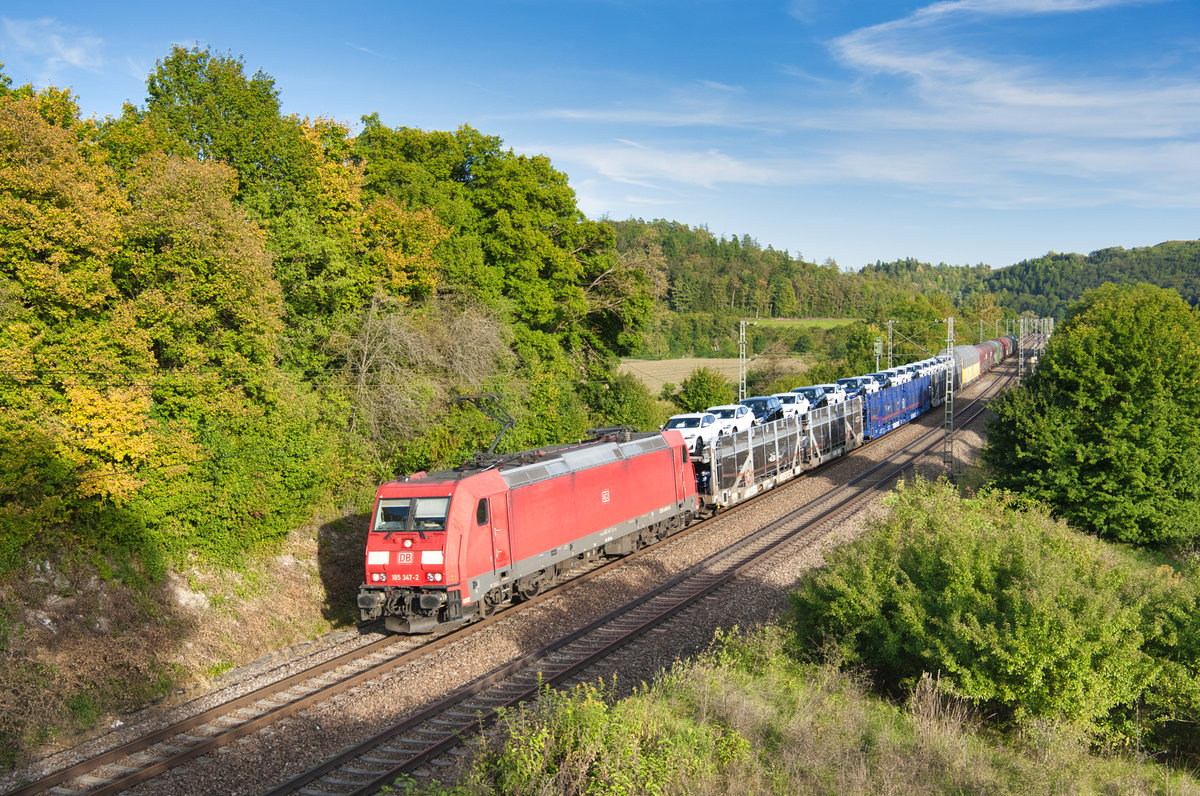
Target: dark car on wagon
[(766, 408)]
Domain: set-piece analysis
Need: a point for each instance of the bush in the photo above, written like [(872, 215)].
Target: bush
[(585, 741), (621, 400), (1015, 611), (747, 717), (704, 388)]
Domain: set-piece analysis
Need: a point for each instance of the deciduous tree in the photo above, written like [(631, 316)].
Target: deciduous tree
[(705, 387), (1105, 431), (200, 104), (68, 334)]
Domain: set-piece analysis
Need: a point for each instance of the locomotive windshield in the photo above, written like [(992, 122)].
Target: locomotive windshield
[(411, 514)]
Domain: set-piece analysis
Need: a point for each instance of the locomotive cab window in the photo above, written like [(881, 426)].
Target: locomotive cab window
[(411, 514), (392, 514), (481, 512)]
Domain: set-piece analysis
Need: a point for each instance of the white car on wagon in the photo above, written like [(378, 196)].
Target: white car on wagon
[(699, 429), (793, 403), (732, 417)]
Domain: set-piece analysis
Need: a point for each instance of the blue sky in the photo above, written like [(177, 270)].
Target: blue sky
[(963, 131)]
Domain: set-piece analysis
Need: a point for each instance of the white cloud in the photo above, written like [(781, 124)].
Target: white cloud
[(658, 118), (972, 92), (55, 43), (803, 10), (369, 51), (699, 103), (949, 121), (136, 69), (725, 87), (1016, 7), (652, 166), (1000, 174)]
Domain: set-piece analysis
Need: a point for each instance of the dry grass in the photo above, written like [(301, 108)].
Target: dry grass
[(655, 373), (76, 647)]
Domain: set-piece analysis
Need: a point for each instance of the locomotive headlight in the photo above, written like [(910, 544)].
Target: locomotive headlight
[(437, 576), (408, 542)]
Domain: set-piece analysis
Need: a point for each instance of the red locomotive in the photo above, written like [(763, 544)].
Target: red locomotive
[(446, 546)]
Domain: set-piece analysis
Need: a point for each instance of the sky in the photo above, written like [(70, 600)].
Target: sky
[(962, 131)]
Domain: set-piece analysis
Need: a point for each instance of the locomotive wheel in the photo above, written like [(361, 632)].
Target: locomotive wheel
[(535, 585), (486, 607)]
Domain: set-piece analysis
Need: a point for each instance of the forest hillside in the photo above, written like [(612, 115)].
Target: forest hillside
[(1047, 286)]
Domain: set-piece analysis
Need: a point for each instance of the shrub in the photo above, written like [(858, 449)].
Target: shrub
[(584, 741), (704, 388), (1015, 611)]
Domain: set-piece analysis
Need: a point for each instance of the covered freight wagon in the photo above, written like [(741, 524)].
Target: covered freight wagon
[(966, 365), (990, 353), (892, 407)]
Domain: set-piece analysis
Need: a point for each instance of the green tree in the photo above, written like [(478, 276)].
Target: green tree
[(60, 226), (1105, 430), (200, 104), (196, 270), (518, 235), (705, 387), (622, 400), (435, 170)]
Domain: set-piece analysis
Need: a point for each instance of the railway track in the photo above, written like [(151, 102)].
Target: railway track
[(426, 735)]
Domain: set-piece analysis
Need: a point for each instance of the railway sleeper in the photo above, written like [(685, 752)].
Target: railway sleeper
[(383, 761), (332, 779)]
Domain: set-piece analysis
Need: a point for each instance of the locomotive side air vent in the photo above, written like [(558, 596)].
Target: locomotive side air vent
[(590, 457), (645, 445)]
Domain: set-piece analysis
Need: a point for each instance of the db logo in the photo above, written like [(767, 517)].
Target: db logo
[(604, 498)]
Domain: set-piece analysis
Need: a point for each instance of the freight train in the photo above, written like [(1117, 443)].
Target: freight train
[(445, 547)]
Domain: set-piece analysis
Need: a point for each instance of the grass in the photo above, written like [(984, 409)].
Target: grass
[(748, 718), (219, 668), (654, 373)]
